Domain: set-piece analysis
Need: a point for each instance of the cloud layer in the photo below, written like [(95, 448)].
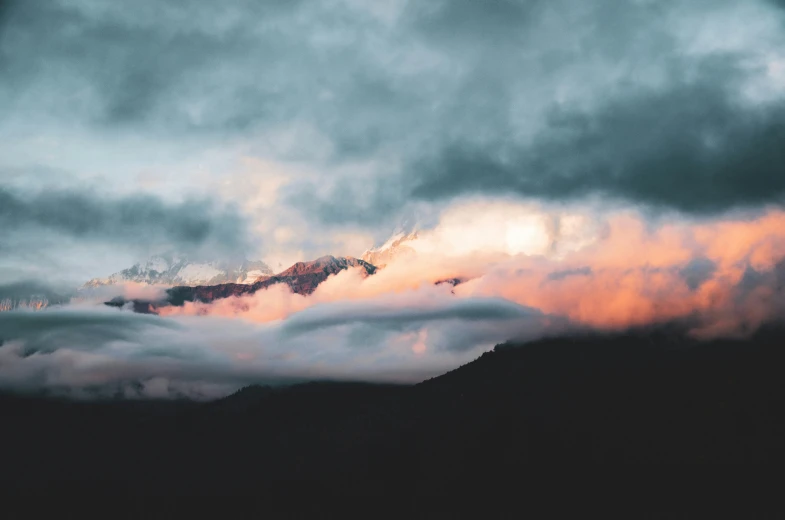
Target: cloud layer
[(35, 223), (141, 218), (576, 163), (719, 278), (393, 109), (611, 270)]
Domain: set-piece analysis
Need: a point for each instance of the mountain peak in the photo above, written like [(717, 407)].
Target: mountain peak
[(172, 269), (327, 264), (397, 246), (302, 278)]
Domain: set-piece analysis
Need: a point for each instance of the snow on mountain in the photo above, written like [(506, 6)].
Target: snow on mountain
[(177, 270), (397, 246), (198, 273), (302, 278)]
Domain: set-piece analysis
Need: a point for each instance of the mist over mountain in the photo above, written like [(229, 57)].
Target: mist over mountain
[(171, 269), (301, 278), (32, 295)]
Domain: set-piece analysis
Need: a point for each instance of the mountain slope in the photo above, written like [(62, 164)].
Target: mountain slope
[(302, 278)]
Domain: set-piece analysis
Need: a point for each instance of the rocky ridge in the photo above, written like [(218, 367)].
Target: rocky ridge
[(302, 278)]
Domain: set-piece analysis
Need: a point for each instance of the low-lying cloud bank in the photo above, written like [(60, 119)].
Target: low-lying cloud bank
[(527, 275), (90, 350)]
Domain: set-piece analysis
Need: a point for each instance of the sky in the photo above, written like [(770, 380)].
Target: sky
[(583, 163)]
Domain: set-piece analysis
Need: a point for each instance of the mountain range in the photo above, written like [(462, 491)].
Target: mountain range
[(177, 270), (188, 280), (171, 269), (302, 278), (204, 280)]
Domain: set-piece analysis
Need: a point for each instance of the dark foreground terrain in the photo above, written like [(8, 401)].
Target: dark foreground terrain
[(648, 417)]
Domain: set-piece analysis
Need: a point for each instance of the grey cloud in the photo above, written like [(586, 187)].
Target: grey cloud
[(692, 147), (465, 22), (180, 68), (343, 313), (25, 289), (534, 98), (348, 201), (561, 100), (698, 271), (93, 352), (561, 275), (82, 329), (88, 352), (131, 65), (132, 221)]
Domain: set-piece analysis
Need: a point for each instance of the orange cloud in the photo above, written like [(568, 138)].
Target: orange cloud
[(633, 274)]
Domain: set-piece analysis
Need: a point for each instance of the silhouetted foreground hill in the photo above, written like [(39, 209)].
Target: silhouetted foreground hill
[(646, 414)]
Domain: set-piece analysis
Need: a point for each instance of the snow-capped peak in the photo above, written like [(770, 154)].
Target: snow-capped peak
[(178, 270), (395, 247)]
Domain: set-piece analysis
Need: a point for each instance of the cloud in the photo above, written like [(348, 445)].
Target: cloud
[(92, 351), (722, 277), (132, 221), (698, 271), (561, 275), (129, 67), (693, 147), (398, 108), (358, 115), (644, 103), (31, 292), (720, 273), (397, 312), (81, 328), (610, 270)]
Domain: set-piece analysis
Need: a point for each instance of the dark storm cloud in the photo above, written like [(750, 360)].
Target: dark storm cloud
[(688, 148), (691, 147), (132, 221), (537, 99), (656, 124)]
